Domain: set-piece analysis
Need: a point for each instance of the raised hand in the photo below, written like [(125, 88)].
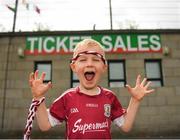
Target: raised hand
[(38, 88), (141, 88)]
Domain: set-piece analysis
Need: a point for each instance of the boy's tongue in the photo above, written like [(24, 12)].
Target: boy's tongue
[(89, 75)]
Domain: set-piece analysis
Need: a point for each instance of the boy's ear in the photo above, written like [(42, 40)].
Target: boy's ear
[(72, 67), (105, 68)]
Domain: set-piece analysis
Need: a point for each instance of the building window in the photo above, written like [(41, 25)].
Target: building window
[(116, 73), (153, 69), (74, 79), (44, 66)]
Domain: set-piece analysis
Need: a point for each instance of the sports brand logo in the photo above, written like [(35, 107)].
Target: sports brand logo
[(107, 110), (74, 110)]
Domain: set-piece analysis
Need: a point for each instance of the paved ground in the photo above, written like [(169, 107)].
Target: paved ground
[(60, 135)]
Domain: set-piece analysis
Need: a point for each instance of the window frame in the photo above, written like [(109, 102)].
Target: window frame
[(43, 62), (159, 62), (73, 80), (122, 61)]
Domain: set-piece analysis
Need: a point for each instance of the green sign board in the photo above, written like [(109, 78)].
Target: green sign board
[(113, 43)]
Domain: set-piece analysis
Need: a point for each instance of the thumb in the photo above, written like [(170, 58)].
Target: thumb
[(49, 84), (128, 87)]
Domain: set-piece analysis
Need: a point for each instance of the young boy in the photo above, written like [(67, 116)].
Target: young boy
[(88, 109)]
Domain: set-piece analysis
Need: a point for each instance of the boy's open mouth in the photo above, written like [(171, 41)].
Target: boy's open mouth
[(89, 75)]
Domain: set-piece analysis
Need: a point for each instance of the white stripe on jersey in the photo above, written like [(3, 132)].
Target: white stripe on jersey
[(119, 121), (67, 91), (53, 121), (105, 89)]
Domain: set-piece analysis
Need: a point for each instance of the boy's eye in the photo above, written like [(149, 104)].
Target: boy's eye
[(96, 60), (82, 59)]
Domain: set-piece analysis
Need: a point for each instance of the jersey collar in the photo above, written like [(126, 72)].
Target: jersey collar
[(79, 92)]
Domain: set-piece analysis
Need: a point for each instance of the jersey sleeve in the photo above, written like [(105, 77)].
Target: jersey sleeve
[(117, 110), (53, 121), (58, 110), (119, 121)]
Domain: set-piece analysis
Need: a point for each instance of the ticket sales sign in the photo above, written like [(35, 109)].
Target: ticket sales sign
[(123, 43)]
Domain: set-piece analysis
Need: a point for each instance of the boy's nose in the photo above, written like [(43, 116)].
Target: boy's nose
[(89, 62)]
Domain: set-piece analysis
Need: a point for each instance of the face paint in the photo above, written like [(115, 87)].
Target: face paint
[(89, 52)]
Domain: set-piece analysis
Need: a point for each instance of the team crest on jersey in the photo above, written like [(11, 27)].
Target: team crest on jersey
[(107, 110)]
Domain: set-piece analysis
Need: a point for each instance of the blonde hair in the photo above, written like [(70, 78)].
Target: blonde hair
[(88, 43)]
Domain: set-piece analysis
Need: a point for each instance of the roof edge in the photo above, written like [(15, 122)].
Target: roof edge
[(87, 32)]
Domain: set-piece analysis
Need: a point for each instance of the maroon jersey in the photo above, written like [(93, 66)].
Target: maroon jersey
[(87, 117)]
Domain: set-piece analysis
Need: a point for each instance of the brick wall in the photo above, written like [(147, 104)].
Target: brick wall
[(158, 115)]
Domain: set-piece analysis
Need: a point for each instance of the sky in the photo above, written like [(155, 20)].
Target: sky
[(67, 15)]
